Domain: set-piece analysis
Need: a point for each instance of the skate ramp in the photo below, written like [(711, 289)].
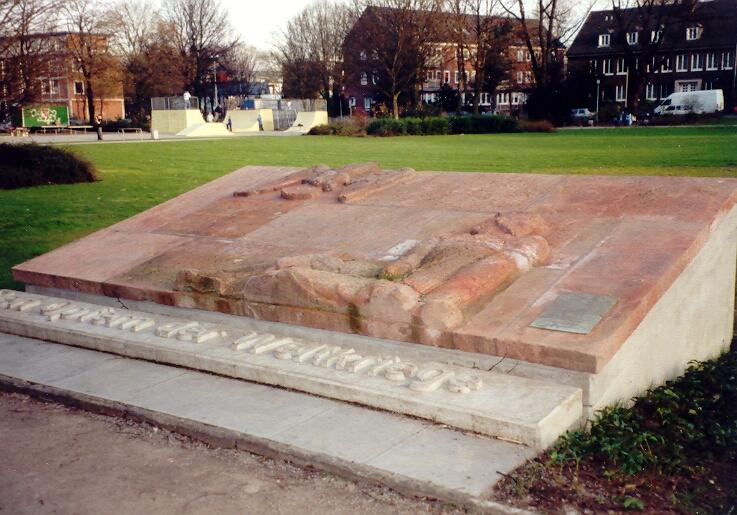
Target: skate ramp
[(205, 130), (246, 120), (173, 121), (307, 120)]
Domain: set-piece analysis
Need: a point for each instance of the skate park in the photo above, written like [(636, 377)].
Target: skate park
[(180, 117)]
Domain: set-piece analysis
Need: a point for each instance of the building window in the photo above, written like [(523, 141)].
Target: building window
[(606, 66), (604, 39), (364, 79), (693, 33), (520, 77), (484, 99), (374, 77), (709, 84), (664, 90), (458, 78), (351, 101), (621, 66), (711, 61), (697, 62), (502, 98), (374, 55), (367, 103), (633, 37), (650, 91), (363, 55), (446, 77), (665, 65), (520, 56), (681, 63), (727, 60), (656, 36), (620, 93), (78, 87)]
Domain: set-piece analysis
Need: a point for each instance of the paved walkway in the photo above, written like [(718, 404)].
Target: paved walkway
[(62, 460), (114, 137), (409, 455)]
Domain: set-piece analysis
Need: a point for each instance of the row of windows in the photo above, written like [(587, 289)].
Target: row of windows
[(514, 98), (692, 34), (659, 91), (711, 61)]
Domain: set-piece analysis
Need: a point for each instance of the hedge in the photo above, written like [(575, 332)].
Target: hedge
[(441, 125), (25, 165)]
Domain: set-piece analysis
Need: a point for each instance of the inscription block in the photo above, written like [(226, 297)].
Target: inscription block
[(574, 312)]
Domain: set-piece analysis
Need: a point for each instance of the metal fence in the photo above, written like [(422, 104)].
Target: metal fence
[(174, 103)]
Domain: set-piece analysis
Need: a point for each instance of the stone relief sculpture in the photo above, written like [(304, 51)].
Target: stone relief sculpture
[(427, 288)]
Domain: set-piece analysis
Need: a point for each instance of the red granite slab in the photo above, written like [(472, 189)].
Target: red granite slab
[(501, 247)]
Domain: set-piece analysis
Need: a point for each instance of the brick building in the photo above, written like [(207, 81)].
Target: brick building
[(440, 67), (59, 79), (637, 57)]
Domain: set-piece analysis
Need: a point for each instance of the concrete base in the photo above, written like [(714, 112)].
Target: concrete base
[(413, 457), (389, 378)]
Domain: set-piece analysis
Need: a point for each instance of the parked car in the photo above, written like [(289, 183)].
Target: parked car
[(581, 116), (697, 102)]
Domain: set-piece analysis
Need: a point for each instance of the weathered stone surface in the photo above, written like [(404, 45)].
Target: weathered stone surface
[(426, 257)]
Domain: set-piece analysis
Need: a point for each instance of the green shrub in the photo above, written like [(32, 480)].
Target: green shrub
[(482, 124), (320, 130), (536, 126), (692, 419), (22, 166)]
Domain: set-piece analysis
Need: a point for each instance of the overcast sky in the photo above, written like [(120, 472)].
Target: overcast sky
[(255, 21)]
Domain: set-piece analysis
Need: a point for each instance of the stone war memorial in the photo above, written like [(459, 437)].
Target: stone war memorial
[(510, 305)]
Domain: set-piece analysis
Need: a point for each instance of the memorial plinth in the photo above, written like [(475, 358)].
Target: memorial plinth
[(594, 281)]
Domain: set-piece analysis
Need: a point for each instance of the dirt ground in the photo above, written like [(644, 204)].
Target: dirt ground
[(55, 459)]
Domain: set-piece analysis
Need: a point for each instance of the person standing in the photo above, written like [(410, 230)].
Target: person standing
[(186, 97), (98, 126), (260, 121)]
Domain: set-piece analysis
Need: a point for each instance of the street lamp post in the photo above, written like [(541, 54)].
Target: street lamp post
[(598, 82)]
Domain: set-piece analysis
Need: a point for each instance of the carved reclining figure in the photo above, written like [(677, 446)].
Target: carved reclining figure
[(419, 296)]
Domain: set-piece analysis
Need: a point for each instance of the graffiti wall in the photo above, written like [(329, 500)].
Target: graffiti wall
[(43, 116)]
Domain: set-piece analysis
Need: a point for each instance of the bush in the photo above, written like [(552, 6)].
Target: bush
[(482, 124), (320, 130), (536, 126), (346, 127), (686, 421), (22, 166)]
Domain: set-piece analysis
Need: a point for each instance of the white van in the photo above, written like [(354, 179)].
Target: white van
[(697, 102)]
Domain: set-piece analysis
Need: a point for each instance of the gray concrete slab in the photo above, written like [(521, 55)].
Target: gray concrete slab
[(413, 456), (118, 379), (467, 463), (23, 357)]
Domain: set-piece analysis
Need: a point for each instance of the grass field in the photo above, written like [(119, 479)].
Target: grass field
[(136, 176)]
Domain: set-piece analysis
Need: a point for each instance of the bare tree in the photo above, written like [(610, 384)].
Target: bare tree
[(28, 56), (135, 23), (203, 36), (240, 65), (481, 40), (648, 18), (543, 30), (312, 44), (395, 38), (89, 23)]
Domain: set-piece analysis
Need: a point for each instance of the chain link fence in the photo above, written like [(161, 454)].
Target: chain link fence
[(174, 103)]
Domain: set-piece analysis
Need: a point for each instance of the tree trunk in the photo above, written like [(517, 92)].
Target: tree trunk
[(395, 106), (90, 99)]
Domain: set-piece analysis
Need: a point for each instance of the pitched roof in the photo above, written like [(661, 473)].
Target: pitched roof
[(717, 18)]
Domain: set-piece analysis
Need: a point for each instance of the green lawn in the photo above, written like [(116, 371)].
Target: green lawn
[(136, 176)]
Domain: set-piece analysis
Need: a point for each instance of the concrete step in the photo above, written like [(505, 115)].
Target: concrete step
[(412, 456), (521, 410)]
